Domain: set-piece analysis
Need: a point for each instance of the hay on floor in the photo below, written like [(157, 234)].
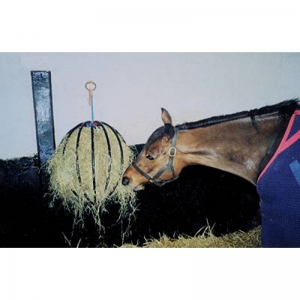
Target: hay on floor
[(86, 170), (239, 239)]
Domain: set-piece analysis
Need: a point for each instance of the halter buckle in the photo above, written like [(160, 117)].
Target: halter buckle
[(172, 151)]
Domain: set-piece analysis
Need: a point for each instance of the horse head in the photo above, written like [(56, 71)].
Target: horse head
[(158, 161)]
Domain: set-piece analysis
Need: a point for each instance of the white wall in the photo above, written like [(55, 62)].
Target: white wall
[(132, 87)]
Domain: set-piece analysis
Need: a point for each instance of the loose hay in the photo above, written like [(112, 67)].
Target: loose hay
[(86, 170), (239, 239)]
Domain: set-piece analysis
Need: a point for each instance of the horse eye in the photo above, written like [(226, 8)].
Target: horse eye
[(149, 157)]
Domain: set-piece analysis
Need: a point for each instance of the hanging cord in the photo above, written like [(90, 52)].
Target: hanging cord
[(90, 87)]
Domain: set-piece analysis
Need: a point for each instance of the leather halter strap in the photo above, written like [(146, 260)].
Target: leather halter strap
[(168, 167)]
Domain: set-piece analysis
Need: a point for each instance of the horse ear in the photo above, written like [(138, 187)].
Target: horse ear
[(165, 116), (169, 131)]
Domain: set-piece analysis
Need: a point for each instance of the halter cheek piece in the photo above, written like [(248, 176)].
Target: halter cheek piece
[(168, 167)]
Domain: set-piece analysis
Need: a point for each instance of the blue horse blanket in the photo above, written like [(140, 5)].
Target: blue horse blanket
[(279, 190)]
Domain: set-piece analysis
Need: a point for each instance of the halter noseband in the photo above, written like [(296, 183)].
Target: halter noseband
[(169, 166)]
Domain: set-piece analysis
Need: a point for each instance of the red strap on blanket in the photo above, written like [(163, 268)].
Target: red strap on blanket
[(285, 143)]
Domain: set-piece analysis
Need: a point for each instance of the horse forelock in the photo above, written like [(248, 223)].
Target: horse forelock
[(156, 135)]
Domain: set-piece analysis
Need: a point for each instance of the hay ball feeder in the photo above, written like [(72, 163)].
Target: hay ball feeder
[(87, 167)]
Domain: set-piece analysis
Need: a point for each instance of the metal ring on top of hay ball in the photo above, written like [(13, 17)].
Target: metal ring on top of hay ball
[(87, 167)]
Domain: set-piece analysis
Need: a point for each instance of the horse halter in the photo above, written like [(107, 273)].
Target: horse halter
[(168, 167)]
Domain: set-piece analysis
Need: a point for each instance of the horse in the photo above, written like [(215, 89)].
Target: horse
[(242, 143)]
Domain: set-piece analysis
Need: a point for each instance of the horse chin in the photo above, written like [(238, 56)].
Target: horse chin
[(138, 187)]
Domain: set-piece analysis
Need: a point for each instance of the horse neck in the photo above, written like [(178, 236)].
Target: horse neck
[(236, 146)]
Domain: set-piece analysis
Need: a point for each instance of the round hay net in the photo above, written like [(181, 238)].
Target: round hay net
[(86, 170)]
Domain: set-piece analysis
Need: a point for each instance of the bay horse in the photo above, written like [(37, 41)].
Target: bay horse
[(241, 143)]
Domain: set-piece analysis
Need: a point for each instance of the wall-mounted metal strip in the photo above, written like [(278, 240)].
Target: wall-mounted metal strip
[(43, 111)]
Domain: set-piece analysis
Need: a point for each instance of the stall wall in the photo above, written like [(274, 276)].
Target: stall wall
[(132, 87)]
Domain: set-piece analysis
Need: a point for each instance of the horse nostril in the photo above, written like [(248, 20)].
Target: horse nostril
[(125, 181)]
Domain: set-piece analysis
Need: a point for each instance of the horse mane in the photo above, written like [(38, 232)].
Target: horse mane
[(285, 108)]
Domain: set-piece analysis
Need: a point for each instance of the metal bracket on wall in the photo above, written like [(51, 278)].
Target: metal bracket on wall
[(43, 111)]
